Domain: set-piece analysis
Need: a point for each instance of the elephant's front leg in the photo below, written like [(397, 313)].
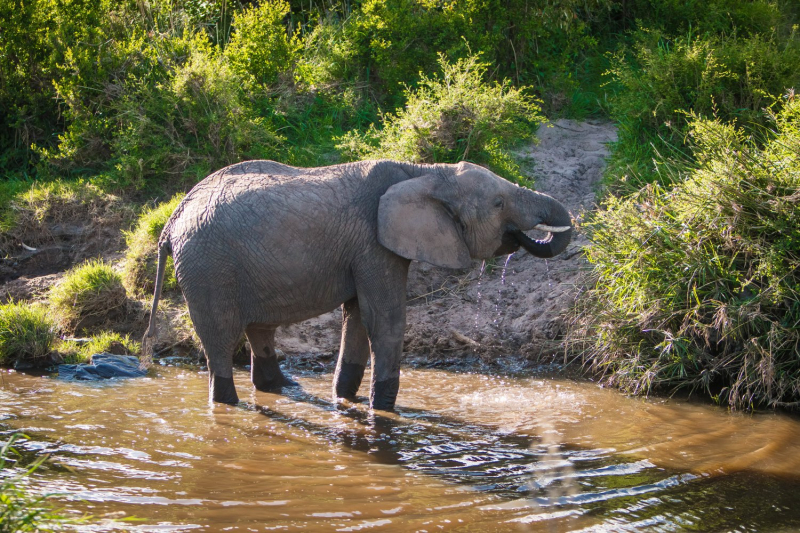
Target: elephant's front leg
[(353, 353), (382, 300), (264, 369)]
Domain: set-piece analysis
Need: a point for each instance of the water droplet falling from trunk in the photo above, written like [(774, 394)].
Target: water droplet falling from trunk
[(501, 293)]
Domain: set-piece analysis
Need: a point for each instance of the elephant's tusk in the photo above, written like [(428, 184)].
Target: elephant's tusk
[(552, 229)]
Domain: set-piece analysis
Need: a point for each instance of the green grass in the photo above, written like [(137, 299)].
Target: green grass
[(697, 285), (27, 332), (89, 294), (104, 342), (139, 267), (29, 208)]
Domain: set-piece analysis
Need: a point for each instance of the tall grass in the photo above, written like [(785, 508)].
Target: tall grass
[(697, 285), (139, 266)]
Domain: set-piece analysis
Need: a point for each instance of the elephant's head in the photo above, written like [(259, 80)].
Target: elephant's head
[(457, 212)]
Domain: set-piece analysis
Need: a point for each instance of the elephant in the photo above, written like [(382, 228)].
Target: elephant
[(261, 244)]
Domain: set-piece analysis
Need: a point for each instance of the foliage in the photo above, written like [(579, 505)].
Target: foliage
[(699, 285), (260, 49), (88, 295), (27, 332), (19, 511), (104, 342), (661, 78), (139, 267), (450, 118)]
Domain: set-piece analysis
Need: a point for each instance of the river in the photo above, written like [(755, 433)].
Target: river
[(464, 452)]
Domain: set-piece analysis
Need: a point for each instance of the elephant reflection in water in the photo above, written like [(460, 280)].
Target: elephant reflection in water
[(260, 244)]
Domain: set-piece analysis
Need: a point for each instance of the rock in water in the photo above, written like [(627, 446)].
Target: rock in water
[(103, 366)]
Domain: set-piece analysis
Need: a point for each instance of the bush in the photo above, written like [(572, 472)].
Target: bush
[(104, 342), (89, 295), (698, 286), (261, 48), (197, 122), (453, 117), (659, 79), (139, 267), (27, 333)]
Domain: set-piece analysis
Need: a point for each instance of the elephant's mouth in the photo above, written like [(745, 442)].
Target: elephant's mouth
[(514, 238)]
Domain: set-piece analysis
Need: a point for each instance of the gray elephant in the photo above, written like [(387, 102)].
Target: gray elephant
[(259, 244)]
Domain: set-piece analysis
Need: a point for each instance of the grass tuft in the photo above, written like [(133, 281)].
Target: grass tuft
[(88, 295), (104, 342), (27, 332), (139, 268)]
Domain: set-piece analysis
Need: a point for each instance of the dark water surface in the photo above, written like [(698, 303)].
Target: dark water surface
[(465, 452)]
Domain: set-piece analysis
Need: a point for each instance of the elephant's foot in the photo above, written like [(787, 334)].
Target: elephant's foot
[(348, 380), (384, 394), (267, 375), (222, 390)]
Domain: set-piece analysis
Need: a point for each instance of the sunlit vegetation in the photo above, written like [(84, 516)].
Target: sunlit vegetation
[(139, 266), (697, 285), (89, 295), (453, 117), (72, 351), (27, 332)]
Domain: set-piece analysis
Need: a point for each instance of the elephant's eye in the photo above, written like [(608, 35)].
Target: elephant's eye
[(498, 202)]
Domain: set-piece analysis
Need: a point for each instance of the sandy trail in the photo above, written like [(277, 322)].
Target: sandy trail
[(513, 309)]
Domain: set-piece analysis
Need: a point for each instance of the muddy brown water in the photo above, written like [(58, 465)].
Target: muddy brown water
[(465, 452)]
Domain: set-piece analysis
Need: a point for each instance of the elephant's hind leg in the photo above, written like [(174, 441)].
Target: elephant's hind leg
[(353, 353), (264, 369)]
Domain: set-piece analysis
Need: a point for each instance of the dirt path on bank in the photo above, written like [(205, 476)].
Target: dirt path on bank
[(473, 317)]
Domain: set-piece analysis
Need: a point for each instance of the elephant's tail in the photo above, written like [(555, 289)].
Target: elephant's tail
[(149, 339)]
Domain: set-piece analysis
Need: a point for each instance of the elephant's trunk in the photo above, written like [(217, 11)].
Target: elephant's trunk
[(540, 211)]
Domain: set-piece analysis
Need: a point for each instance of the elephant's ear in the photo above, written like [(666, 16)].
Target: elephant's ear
[(416, 221)]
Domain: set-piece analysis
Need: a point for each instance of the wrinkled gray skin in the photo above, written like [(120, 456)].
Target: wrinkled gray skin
[(259, 244)]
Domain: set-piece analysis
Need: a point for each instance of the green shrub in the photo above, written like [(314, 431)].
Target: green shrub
[(707, 16), (261, 49), (104, 342), (197, 122), (660, 79), (27, 333), (452, 117), (698, 285), (89, 295), (139, 267)]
